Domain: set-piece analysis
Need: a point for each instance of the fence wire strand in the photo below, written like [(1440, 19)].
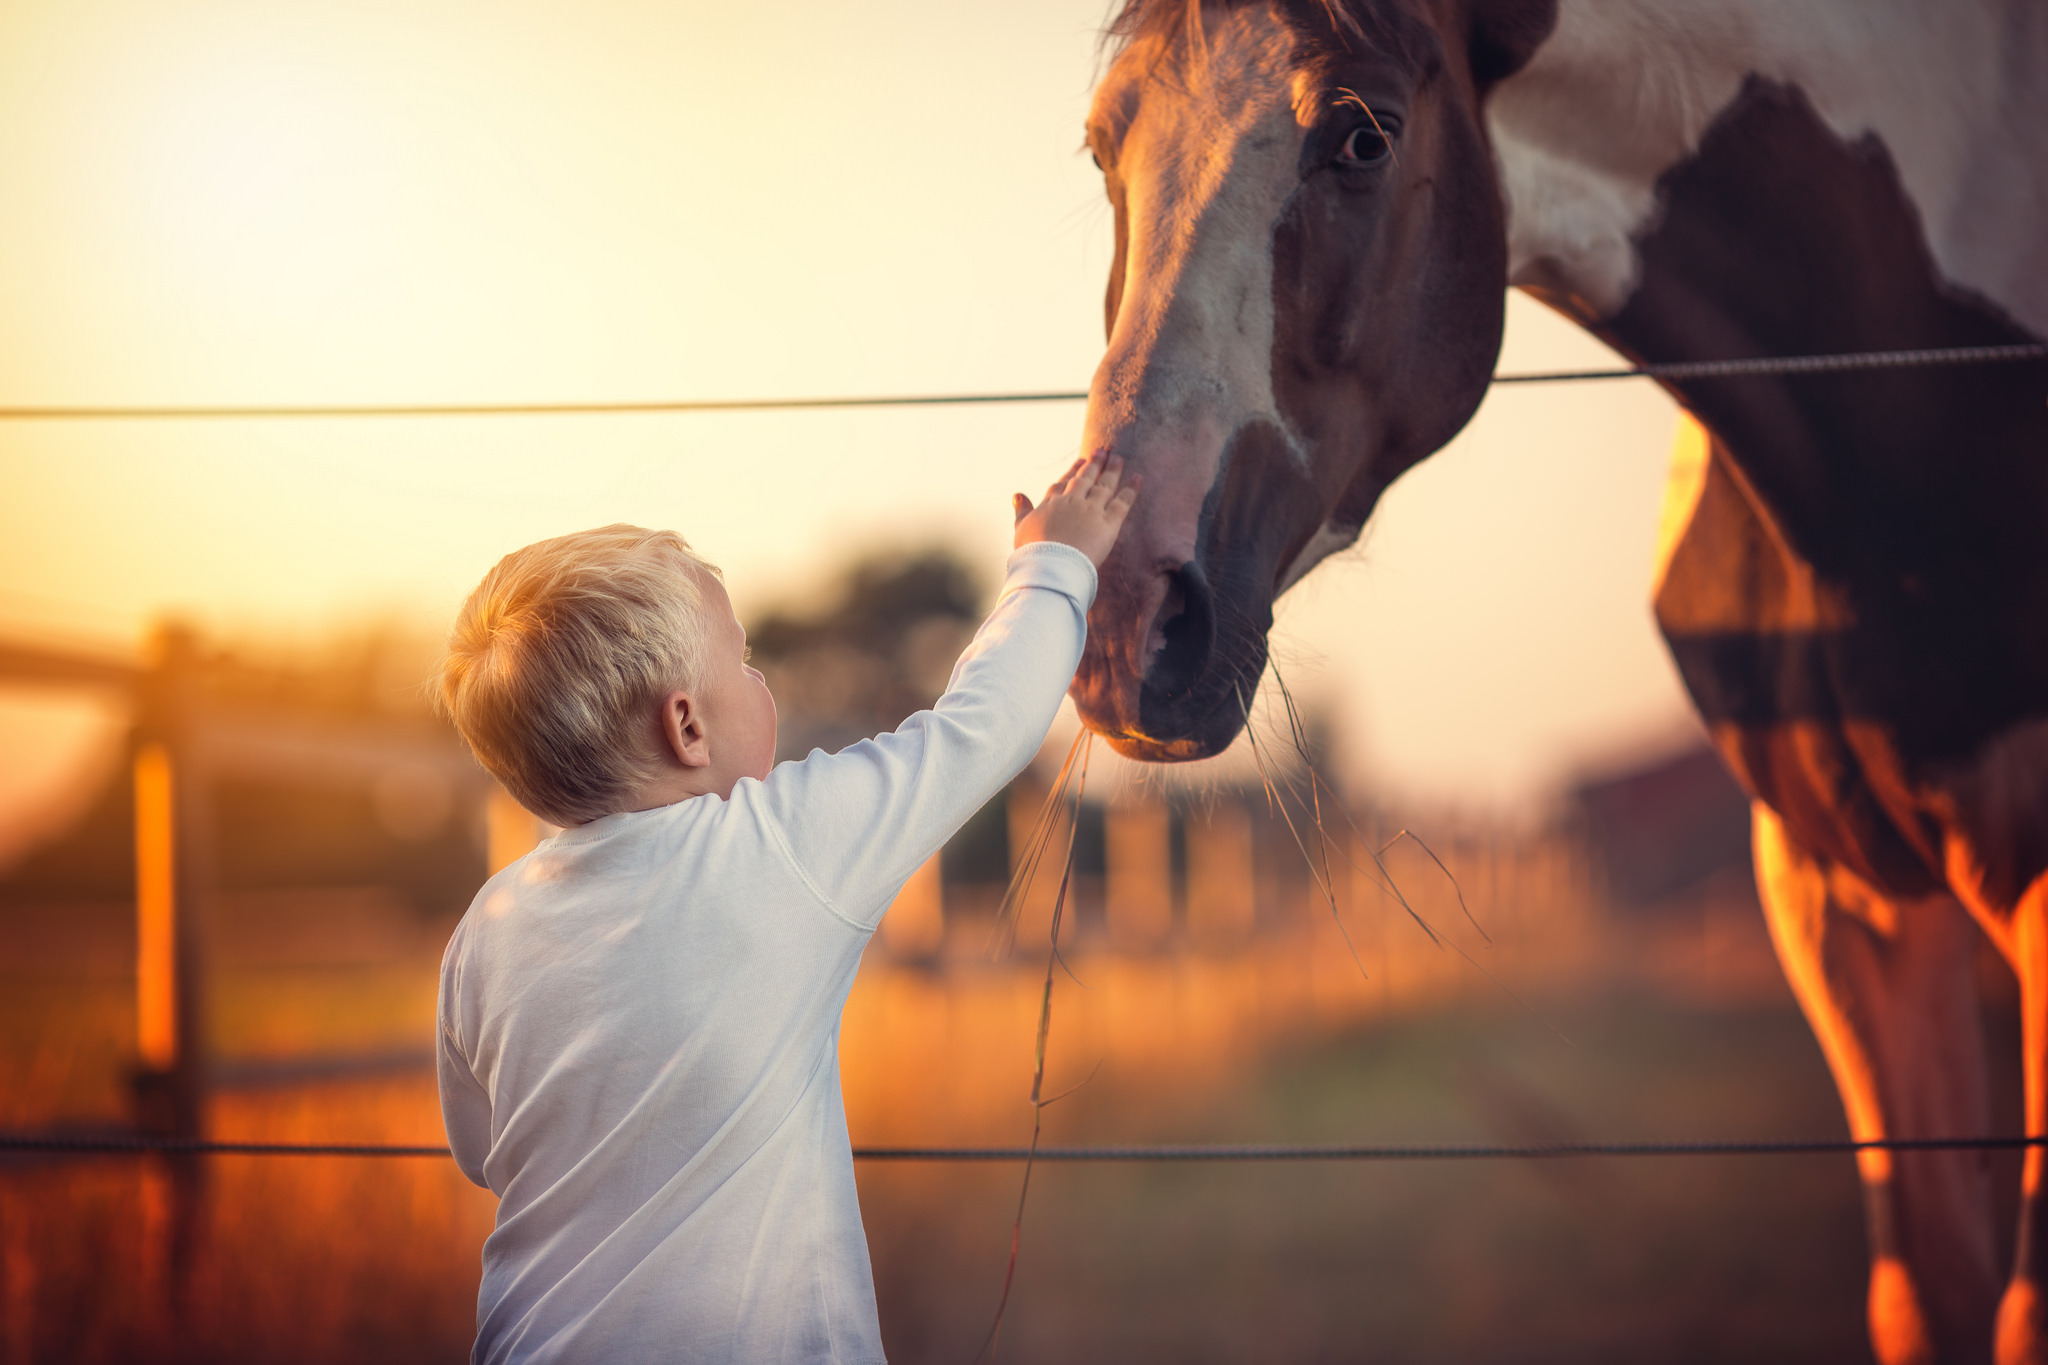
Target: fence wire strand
[(143, 1145), (1926, 357)]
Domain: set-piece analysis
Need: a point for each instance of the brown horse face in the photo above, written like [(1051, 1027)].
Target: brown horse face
[(1306, 300)]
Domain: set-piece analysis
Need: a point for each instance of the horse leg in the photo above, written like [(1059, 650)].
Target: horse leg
[(2022, 1321), (1888, 988)]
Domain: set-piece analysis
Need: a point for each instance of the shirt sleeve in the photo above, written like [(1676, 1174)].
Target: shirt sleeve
[(465, 1106), (857, 823)]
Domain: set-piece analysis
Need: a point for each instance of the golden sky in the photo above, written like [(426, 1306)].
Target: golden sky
[(221, 201)]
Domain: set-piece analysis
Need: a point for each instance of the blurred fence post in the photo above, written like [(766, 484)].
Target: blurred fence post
[(915, 923), (511, 830), (1138, 890), (174, 881), (156, 909), (1220, 895)]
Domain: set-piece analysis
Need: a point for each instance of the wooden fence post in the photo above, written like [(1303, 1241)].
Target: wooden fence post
[(1138, 892), (512, 831), (915, 925), (174, 881), (1221, 894)]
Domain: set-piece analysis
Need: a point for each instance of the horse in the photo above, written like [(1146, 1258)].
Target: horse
[(1318, 207)]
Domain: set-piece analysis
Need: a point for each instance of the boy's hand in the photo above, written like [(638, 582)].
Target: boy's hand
[(1085, 509)]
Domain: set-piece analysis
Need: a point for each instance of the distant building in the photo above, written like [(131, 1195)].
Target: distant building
[(1661, 830)]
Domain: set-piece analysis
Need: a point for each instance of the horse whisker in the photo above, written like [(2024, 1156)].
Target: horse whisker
[(1003, 935), (1301, 748), (1061, 958), (1321, 877), (1393, 888), (1456, 889), (1077, 1085), (1083, 747)]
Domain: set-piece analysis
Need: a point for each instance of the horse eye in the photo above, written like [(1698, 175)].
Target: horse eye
[(1366, 146), (1095, 157)]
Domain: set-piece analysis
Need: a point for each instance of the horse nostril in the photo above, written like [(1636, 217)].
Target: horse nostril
[(1184, 634)]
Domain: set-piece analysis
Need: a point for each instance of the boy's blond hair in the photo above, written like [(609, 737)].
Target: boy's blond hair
[(560, 655)]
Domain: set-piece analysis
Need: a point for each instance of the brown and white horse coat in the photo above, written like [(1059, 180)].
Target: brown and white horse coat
[(1317, 206)]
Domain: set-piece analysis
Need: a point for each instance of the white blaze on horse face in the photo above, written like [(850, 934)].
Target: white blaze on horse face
[(1208, 163), (1624, 89), (1330, 537)]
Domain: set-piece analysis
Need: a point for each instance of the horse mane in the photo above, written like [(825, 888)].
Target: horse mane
[(1166, 24)]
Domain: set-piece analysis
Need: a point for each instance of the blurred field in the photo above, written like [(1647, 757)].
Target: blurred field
[(312, 1260), (1692, 1260)]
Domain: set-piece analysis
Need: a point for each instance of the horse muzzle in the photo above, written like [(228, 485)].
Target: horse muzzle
[(1177, 635), (1174, 656)]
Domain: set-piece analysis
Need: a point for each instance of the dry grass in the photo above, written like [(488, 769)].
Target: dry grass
[(1698, 1260), (250, 1259), (1280, 1039)]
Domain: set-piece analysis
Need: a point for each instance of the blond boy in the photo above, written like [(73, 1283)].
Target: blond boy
[(639, 1020)]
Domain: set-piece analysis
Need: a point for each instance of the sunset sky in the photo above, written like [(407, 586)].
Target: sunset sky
[(225, 201)]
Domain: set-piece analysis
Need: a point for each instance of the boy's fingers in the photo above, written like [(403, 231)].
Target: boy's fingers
[(1111, 472), (1086, 475), (1020, 505), (1065, 481)]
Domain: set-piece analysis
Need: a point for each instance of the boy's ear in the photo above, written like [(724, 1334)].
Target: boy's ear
[(682, 729)]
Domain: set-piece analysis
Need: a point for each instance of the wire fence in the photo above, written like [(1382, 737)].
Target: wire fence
[(139, 1145), (1925, 358)]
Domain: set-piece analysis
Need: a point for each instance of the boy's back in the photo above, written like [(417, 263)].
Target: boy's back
[(639, 1027), (653, 1000)]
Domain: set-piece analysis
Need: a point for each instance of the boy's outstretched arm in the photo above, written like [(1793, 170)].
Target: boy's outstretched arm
[(860, 821)]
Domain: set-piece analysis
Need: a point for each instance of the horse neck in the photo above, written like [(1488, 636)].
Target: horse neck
[(1953, 92), (1706, 179)]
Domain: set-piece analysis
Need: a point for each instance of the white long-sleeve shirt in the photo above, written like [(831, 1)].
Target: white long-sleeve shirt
[(639, 1027)]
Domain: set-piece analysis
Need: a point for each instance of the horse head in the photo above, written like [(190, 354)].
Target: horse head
[(1306, 299)]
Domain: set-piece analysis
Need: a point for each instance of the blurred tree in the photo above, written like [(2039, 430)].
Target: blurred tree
[(879, 648)]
